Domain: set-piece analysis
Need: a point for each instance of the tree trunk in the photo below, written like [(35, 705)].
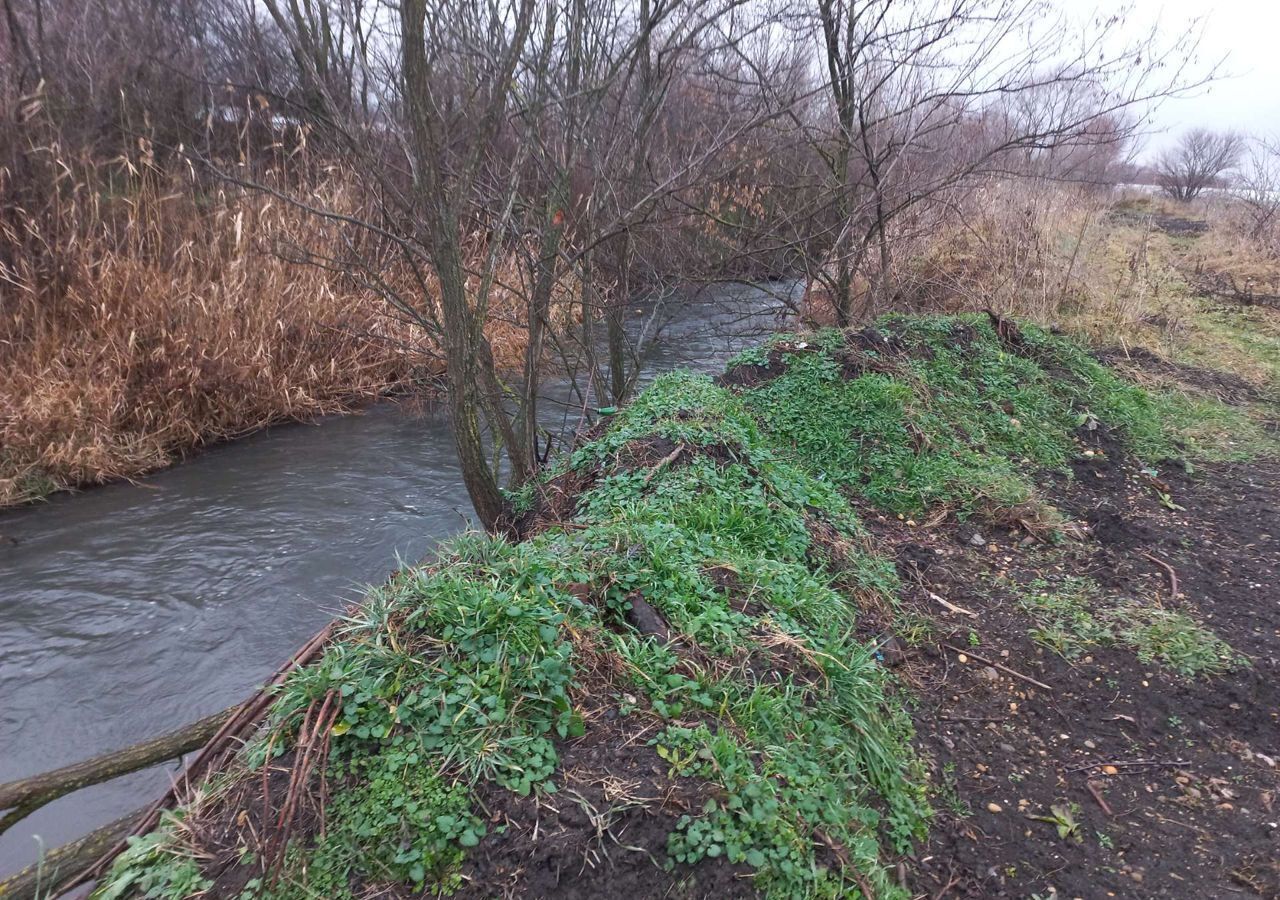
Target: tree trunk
[(25, 796), (439, 189), (466, 402), (615, 321)]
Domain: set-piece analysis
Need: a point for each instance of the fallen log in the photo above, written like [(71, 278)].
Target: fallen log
[(44, 878), (29, 794), (220, 747)]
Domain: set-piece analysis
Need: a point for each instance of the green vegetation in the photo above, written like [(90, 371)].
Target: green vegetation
[(150, 868), (943, 412), (727, 511), (1065, 616), (1072, 616), (1175, 640), (1062, 816)]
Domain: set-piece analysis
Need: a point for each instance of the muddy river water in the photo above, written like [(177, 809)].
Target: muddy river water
[(132, 609)]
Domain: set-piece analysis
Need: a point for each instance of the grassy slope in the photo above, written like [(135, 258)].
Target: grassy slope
[(730, 509)]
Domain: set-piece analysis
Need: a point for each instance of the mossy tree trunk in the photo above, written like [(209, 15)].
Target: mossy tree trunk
[(50, 876)]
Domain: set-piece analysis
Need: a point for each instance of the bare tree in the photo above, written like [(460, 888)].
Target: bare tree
[(920, 102), (543, 163), (1257, 187), (492, 132), (1199, 160)]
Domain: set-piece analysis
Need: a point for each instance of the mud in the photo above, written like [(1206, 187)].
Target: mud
[(1226, 386)]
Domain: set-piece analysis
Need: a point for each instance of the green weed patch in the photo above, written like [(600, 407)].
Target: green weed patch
[(941, 410), (1072, 616)]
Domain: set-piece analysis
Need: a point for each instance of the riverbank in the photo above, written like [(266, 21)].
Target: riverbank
[(296, 519), (698, 668)]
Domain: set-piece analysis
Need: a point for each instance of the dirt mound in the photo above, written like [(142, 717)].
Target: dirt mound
[(595, 836)]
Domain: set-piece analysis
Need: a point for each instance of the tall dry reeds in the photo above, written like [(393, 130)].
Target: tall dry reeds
[(143, 314)]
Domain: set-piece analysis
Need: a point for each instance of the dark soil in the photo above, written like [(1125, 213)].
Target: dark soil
[(1179, 225), (555, 502), (1225, 286), (1224, 385), (873, 349), (602, 834), (749, 375), (1200, 823)]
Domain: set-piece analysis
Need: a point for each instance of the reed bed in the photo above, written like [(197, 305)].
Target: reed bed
[(142, 317)]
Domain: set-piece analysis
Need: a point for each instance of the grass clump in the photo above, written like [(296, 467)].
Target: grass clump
[(1175, 640), (1072, 616), (1066, 619), (148, 867)]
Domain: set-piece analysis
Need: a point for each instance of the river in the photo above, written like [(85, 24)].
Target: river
[(131, 609)]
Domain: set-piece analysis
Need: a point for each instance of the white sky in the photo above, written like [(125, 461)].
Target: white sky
[(1247, 34)]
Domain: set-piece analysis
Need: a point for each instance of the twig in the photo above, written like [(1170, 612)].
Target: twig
[(220, 746), (1097, 795), (952, 881), (1003, 668), (1173, 576), (842, 853), (972, 718), (951, 606), (662, 464)]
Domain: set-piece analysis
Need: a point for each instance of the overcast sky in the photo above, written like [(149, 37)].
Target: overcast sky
[(1247, 33)]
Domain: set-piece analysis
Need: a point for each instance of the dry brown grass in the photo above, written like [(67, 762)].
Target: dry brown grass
[(138, 325), (1119, 271), (1230, 262), (1046, 253), (1054, 255)]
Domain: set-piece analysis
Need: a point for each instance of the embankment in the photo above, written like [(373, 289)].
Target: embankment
[(684, 676)]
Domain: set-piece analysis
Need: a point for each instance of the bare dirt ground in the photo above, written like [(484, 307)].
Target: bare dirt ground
[(1172, 783)]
